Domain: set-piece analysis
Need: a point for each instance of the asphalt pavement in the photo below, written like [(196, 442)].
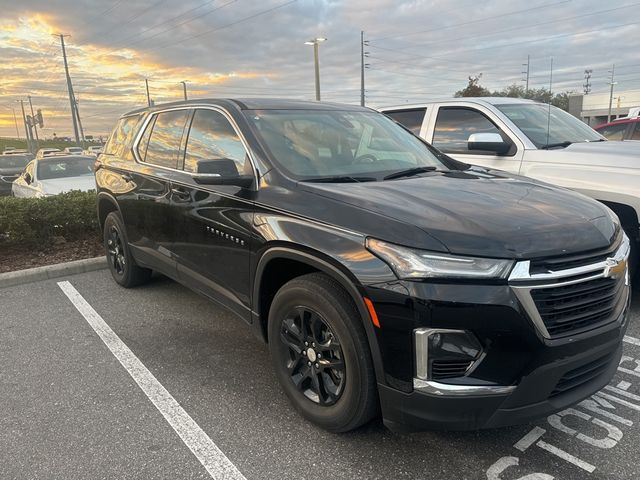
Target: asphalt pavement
[(71, 408)]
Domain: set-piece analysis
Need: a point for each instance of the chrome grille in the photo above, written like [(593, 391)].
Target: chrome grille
[(575, 299)]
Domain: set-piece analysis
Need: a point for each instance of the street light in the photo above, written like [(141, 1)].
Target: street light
[(315, 42)]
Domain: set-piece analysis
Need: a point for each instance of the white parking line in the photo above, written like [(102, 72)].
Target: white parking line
[(209, 455), (632, 340)]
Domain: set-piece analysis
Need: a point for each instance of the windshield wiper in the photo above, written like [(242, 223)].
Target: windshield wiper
[(410, 172), (555, 145), (339, 179)]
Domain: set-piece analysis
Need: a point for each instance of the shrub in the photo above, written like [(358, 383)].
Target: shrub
[(37, 221)]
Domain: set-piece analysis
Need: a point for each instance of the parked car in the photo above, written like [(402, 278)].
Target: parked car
[(538, 141), (11, 165), (622, 129), (73, 151), (47, 152), (56, 174), (383, 274), (17, 151), (8, 149), (93, 150)]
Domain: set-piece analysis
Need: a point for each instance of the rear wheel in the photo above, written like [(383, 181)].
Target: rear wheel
[(121, 263), (320, 353)]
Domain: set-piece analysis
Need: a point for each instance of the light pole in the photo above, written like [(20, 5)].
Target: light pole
[(316, 42), (612, 83)]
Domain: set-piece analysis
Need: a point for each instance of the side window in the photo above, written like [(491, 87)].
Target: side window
[(144, 140), (636, 132), (164, 144), (412, 119), (214, 147), (455, 124), (122, 136), (614, 132)]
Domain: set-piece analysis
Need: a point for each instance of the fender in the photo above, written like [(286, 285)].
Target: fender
[(348, 282), (111, 199)]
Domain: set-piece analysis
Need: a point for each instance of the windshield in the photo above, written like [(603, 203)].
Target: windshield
[(14, 161), (535, 121), (65, 167), (311, 144)]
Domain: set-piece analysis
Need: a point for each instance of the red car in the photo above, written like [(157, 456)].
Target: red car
[(622, 129)]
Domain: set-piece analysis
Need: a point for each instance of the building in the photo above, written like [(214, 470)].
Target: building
[(593, 109)]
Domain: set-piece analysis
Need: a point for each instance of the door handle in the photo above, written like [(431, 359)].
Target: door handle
[(181, 193)]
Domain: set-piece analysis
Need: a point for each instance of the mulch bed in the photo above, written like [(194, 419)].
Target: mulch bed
[(19, 258)]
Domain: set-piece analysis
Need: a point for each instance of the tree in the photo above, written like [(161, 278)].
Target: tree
[(473, 89)]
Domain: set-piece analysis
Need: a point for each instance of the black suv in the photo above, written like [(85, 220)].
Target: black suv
[(383, 274)]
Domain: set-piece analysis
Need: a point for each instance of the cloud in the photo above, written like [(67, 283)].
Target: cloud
[(418, 50)]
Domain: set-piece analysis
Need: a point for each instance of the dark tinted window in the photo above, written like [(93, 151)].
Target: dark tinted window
[(412, 119), (122, 137), (144, 140), (453, 127), (614, 132), (164, 144), (64, 167), (213, 146), (14, 161), (636, 132)]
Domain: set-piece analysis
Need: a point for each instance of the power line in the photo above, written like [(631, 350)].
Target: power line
[(470, 22), (207, 32)]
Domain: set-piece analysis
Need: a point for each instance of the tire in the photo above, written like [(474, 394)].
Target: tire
[(121, 263), (343, 395)]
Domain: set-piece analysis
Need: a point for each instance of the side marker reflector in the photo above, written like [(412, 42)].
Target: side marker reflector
[(372, 312)]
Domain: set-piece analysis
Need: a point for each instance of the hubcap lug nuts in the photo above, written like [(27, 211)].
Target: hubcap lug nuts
[(317, 365), (309, 363), (313, 345), (306, 344)]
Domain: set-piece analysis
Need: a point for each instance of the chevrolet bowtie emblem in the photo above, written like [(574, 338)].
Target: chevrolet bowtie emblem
[(615, 268)]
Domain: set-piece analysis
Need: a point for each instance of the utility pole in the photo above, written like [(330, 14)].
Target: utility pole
[(33, 121), (361, 68), (316, 62), (15, 119), (184, 89), (72, 98), (146, 83), (587, 81), (612, 83), (526, 72), (26, 128)]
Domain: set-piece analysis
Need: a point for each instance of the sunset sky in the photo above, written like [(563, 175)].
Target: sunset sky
[(233, 48)]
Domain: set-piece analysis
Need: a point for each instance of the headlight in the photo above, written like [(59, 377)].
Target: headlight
[(409, 263)]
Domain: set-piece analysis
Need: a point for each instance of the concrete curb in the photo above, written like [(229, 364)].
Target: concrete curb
[(19, 277)]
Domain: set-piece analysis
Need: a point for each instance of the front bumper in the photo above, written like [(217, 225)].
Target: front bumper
[(532, 398), (524, 372)]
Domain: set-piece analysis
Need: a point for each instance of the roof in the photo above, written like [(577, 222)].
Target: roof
[(480, 100), (255, 104), (64, 157), (619, 121)]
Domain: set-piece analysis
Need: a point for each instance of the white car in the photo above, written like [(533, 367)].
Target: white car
[(47, 152), (73, 151), (52, 175), (93, 150)]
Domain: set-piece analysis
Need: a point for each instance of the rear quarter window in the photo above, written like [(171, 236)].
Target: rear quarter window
[(121, 139), (411, 119)]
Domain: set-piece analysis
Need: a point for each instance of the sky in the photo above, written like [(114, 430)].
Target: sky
[(417, 51)]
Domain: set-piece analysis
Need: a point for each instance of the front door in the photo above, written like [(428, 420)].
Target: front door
[(212, 244)]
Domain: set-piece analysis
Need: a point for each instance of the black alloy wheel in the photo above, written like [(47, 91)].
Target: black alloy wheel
[(321, 354), (123, 267), (315, 359), (115, 251)]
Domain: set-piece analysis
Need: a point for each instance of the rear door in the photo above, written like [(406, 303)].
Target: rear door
[(451, 126), (146, 208), (214, 222)]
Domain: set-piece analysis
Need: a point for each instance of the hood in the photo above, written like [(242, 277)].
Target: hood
[(483, 213), (61, 185), (609, 154)]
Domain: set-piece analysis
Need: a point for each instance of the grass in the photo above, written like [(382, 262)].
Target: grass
[(22, 143)]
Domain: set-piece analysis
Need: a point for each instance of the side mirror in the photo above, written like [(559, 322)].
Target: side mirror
[(244, 181), (27, 178), (488, 142)]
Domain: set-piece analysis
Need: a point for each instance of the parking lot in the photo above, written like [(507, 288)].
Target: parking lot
[(73, 408)]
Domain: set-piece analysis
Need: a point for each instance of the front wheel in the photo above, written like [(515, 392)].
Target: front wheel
[(321, 355)]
